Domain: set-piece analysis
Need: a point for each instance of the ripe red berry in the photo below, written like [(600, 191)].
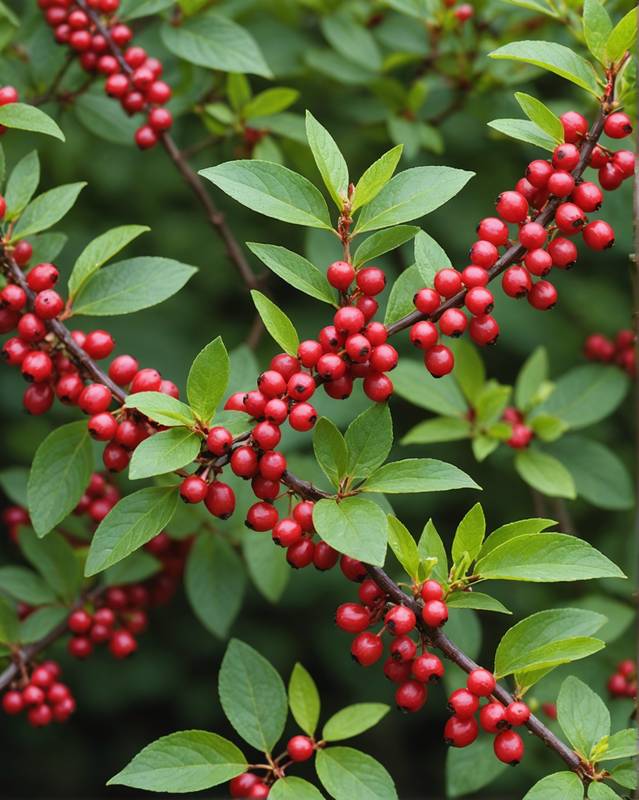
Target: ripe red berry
[(340, 274), (598, 235), (146, 380), (431, 590), (492, 717), (448, 282), (561, 183), (453, 322), (563, 252), (587, 196), (40, 716), (331, 367), (624, 160), (542, 296), (272, 465), (565, 157), (532, 235), (463, 703), (410, 696), (439, 360), (12, 702), (37, 366), (261, 517), (244, 461), (575, 126), (348, 320), (23, 250), (424, 334), (512, 206), (376, 333), (14, 351), (300, 748), (435, 613), (610, 176), (371, 280), (122, 369), (352, 617), (538, 262), (426, 301), (13, 297), (324, 556), (158, 92), (301, 554), (48, 304), (220, 500), (276, 411), (42, 277), (484, 330), (460, 732), (193, 489), (569, 218), (483, 254), (38, 398), (146, 137), (481, 682), (400, 620), (266, 435), (384, 358), (103, 426), (538, 172), (397, 671), (494, 230), (122, 644), (99, 344), (517, 713), (286, 532), (474, 276), (358, 348), (80, 621), (509, 747), (479, 300), (618, 125), (428, 668), (367, 648), (516, 281), (309, 352), (95, 398), (80, 647), (520, 437), (219, 440), (378, 387), (302, 417), (242, 784)]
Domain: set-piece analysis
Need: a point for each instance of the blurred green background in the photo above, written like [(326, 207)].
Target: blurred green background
[(170, 684)]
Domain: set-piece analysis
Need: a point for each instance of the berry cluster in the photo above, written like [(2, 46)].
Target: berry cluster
[(522, 434), (298, 749), (248, 785), (132, 77), (623, 683), (172, 554), (462, 728), (620, 350), (409, 664), (44, 697), (545, 246)]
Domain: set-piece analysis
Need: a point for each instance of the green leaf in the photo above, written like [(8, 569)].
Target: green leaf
[(625, 775), (545, 473), (382, 242), (47, 209), (41, 623), (491, 402), (353, 720), (295, 270), (214, 581), (469, 769), (136, 9), (330, 162), (270, 101), (369, 439), (583, 716), (348, 774), (134, 521), (131, 285), (188, 761), (440, 429), (55, 560), (376, 177), (208, 379), (164, 452), (22, 584), (599, 791), (137, 567), (469, 534), (351, 39), (161, 408), (585, 395), (99, 251), (276, 322), (403, 545), (9, 623), (599, 475), (623, 36), (548, 639), (354, 526), (253, 696), (24, 117), (557, 58), (470, 372), (213, 41), (597, 28), (47, 246), (531, 376), (272, 190), (431, 546), (13, 481), (558, 786), (513, 529), (546, 558), (292, 788), (418, 475), (548, 428), (524, 131), (400, 300), (267, 566), (622, 744), (440, 395), (304, 700), (476, 600), (59, 475), (22, 183), (410, 195), (539, 113), (430, 257), (330, 450)]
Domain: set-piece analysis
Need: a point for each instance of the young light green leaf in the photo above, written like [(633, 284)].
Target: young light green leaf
[(131, 285), (547, 639), (348, 774), (161, 408), (330, 450), (376, 177), (600, 791), (215, 42), (558, 786), (431, 546), (597, 28), (548, 429), (412, 194), (214, 581), (531, 376), (208, 379), (417, 475), (270, 101), (354, 526), (188, 761), (164, 452), (253, 696), (99, 251), (330, 162), (304, 700), (293, 788), (622, 744), (545, 473), (135, 520), (440, 395), (470, 372), (513, 529), (439, 429), (369, 439), (24, 585), (403, 545), (272, 190), (470, 534), (583, 716), (476, 600), (25, 117), (47, 209), (353, 720), (430, 257), (557, 58), (623, 36), (546, 558), (383, 242), (539, 113), (295, 270), (524, 131), (625, 775), (59, 475), (276, 323), (55, 560), (22, 183)]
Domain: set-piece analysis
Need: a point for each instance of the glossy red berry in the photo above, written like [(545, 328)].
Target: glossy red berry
[(242, 784), (145, 137), (492, 717), (431, 590), (309, 352), (348, 320), (376, 333), (12, 702), (532, 235), (352, 569), (261, 517), (435, 613), (301, 554), (302, 417), (410, 696), (384, 358), (439, 360), (463, 703), (367, 648), (371, 280), (428, 668), (397, 671), (146, 380), (542, 296), (561, 183), (563, 252), (426, 301), (122, 644), (618, 125), (219, 440), (80, 647), (103, 426), (484, 330), (538, 172), (352, 617), (474, 276), (509, 747), (460, 732), (610, 176), (448, 282), (38, 398), (220, 500), (517, 713), (286, 532), (42, 277), (358, 348), (481, 682), (587, 196), (494, 230), (48, 304), (95, 398), (575, 126), (193, 489), (80, 621), (520, 437), (516, 281), (23, 251), (37, 366), (272, 465), (565, 157), (453, 322), (512, 206), (378, 387), (400, 620), (122, 369), (300, 748), (424, 335), (340, 274), (538, 262), (479, 301), (598, 235), (624, 160), (324, 556)]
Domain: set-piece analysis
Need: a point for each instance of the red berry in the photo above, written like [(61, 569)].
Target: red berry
[(244, 461), (331, 367), (42, 277), (435, 613), (39, 716), (517, 713), (397, 671), (492, 717), (13, 297), (37, 366), (598, 235), (367, 648), (384, 358), (481, 682), (483, 253), (352, 569), (324, 556), (484, 330), (475, 276), (103, 426), (410, 696), (453, 322), (624, 160), (301, 554), (300, 748), (158, 92), (563, 252), (193, 489), (272, 465), (587, 196), (266, 435), (95, 398), (493, 230), (599, 157), (378, 387), (146, 137), (265, 489), (309, 352), (116, 85), (31, 328), (424, 334), (512, 206), (220, 500), (403, 648), (448, 282), (428, 668), (400, 620), (276, 411), (38, 398), (538, 262), (460, 732), (146, 380), (463, 703), (23, 250), (8, 94), (219, 440), (122, 644), (99, 344), (285, 364), (565, 157), (479, 300), (348, 320), (426, 301), (561, 184), (542, 296), (303, 513), (80, 647), (371, 280), (521, 436), (12, 702), (358, 348), (242, 784), (509, 747), (439, 360), (618, 125), (122, 369), (610, 176), (575, 126), (261, 517), (287, 532), (431, 590), (14, 351), (48, 304), (330, 339), (538, 172), (569, 218), (516, 281), (340, 274), (80, 621), (302, 417)]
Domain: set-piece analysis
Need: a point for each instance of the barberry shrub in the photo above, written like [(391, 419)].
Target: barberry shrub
[(289, 459)]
